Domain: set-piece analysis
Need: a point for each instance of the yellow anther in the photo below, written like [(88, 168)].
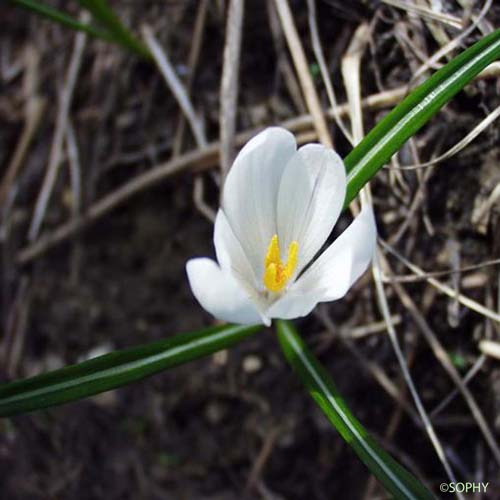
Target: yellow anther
[(276, 273), (273, 252)]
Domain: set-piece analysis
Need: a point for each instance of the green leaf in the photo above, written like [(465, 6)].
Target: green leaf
[(105, 15), (397, 480), (116, 369), (114, 31), (375, 150), (60, 17)]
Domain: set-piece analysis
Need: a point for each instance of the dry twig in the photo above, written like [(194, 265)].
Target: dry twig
[(34, 108), (174, 84), (448, 19), (490, 348), (302, 68), (325, 74), (57, 142), (454, 43), (464, 300), (230, 83), (194, 54)]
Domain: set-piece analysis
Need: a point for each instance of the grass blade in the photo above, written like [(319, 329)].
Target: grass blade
[(115, 369), (61, 17), (105, 15), (397, 480), (113, 31), (377, 147)]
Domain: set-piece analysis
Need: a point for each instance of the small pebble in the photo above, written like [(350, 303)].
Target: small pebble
[(220, 358), (214, 412), (252, 363)]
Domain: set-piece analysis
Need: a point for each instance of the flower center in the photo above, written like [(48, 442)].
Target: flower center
[(276, 272)]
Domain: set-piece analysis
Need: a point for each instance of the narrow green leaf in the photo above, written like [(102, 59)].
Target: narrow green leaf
[(105, 15), (375, 150), (116, 369), (114, 31), (397, 480), (60, 17)]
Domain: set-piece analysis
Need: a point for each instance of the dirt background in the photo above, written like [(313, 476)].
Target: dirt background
[(237, 424)]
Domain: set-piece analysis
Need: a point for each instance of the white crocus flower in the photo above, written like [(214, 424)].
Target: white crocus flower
[(279, 206)]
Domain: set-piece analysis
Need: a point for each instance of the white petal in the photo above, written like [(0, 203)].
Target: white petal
[(230, 254), (251, 191), (344, 261), (334, 272), (311, 196), (220, 294), (294, 305)]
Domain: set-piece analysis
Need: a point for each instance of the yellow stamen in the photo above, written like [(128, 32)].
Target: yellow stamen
[(277, 273)]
